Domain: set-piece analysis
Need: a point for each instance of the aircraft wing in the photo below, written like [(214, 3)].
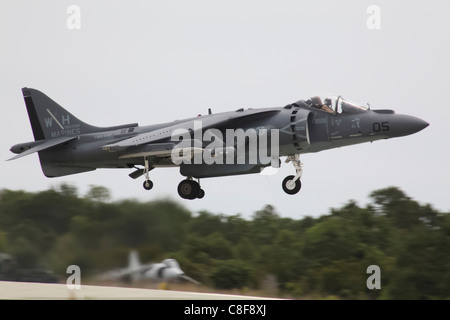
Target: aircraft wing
[(124, 272), (113, 274), (207, 122), (185, 277), (156, 149), (46, 144)]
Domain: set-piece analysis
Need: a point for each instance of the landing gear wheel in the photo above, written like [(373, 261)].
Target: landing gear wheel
[(189, 189), (148, 185), (291, 187), (201, 194)]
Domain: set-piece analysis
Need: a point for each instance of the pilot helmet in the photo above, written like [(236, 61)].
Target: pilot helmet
[(316, 100)]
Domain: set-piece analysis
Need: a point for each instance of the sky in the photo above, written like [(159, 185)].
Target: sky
[(149, 62)]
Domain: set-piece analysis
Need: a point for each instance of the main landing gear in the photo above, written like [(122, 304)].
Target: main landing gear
[(187, 189), (292, 184), (190, 189)]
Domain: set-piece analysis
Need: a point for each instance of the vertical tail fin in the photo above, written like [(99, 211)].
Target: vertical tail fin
[(133, 260), (49, 120)]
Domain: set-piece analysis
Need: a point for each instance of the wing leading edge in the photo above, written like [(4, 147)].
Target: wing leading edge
[(149, 138)]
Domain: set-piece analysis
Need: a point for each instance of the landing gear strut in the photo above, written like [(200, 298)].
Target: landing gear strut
[(148, 184), (190, 189), (292, 184)]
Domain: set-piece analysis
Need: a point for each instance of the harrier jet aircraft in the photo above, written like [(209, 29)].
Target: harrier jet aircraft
[(213, 145), (167, 270)]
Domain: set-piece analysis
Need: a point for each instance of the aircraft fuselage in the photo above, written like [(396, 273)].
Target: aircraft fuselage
[(220, 144)]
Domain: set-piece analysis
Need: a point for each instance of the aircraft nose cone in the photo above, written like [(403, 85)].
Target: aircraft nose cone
[(424, 124), (406, 125), (416, 124)]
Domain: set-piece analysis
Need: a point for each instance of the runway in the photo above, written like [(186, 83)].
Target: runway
[(57, 291)]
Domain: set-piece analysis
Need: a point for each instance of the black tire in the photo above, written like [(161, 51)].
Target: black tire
[(201, 194), (297, 187), (188, 189), (148, 185)]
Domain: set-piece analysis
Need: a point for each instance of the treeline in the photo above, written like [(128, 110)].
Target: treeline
[(306, 258)]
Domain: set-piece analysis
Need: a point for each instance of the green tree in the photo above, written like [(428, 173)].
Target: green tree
[(98, 193), (264, 225), (399, 208), (229, 274)]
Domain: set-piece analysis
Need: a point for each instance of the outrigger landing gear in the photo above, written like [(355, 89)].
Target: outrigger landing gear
[(292, 184), (190, 189), (148, 184)]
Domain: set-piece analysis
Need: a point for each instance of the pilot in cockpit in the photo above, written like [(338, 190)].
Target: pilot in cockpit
[(317, 103), (328, 106)]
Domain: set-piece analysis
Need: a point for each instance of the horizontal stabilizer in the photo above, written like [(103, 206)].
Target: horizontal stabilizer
[(46, 144)]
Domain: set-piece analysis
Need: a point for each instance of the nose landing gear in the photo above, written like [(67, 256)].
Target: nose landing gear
[(292, 184)]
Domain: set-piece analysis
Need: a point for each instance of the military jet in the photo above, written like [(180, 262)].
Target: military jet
[(212, 145), (167, 270)]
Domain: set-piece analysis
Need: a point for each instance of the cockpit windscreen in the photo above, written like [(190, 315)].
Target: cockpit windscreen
[(336, 104)]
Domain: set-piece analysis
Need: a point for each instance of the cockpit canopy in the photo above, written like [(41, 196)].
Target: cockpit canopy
[(171, 263), (335, 105)]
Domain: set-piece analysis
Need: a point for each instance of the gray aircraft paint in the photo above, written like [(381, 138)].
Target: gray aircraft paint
[(66, 145)]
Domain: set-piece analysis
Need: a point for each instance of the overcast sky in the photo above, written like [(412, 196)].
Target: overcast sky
[(157, 61)]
